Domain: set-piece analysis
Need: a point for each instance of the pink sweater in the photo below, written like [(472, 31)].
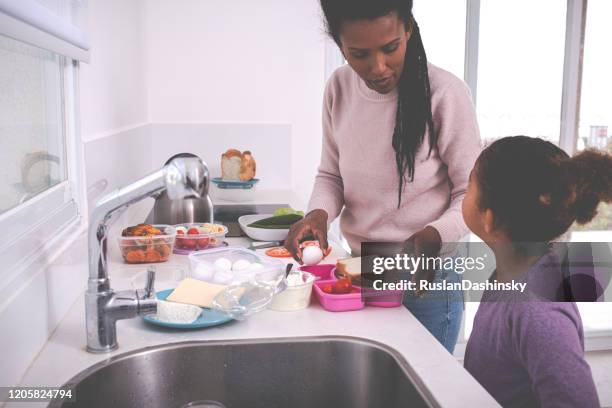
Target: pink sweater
[(358, 170)]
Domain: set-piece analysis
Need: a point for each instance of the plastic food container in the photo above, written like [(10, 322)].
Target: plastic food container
[(320, 271), (186, 244), (148, 249), (383, 298), (294, 297), (338, 303), (208, 266), (376, 298)]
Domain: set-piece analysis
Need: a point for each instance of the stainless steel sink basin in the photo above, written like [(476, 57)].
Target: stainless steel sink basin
[(320, 372)]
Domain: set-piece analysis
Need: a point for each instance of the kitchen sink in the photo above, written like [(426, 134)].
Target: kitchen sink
[(321, 372)]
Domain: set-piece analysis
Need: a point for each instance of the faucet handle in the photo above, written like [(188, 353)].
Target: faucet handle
[(150, 285)]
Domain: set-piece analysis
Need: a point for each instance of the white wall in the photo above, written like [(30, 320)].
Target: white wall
[(113, 84), (113, 96), (242, 61)]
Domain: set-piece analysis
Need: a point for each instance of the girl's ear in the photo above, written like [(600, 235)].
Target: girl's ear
[(489, 221)]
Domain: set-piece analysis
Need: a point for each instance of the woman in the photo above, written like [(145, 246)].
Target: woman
[(527, 348), (399, 140)]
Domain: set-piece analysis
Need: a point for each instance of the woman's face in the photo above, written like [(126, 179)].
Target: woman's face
[(375, 49)]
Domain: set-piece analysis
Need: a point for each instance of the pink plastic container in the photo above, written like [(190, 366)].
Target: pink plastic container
[(377, 298), (321, 271), (338, 303), (383, 298)]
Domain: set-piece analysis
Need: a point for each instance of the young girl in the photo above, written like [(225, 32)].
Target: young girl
[(528, 352)]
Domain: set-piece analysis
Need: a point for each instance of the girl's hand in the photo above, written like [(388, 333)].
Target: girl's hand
[(426, 242), (312, 226)]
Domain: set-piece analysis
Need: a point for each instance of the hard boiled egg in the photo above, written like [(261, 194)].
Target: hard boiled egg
[(203, 272), (312, 255), (223, 264), (241, 265)]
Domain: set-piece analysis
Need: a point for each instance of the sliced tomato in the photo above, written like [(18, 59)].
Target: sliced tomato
[(278, 252)]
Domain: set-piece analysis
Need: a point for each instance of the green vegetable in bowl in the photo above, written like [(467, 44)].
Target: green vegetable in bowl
[(277, 222), (286, 211)]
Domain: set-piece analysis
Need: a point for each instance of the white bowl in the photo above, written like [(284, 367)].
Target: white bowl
[(261, 234)]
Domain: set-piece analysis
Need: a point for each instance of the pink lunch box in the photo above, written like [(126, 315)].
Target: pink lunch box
[(338, 303), (377, 298), (321, 271)]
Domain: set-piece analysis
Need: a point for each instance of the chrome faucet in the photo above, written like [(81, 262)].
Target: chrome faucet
[(181, 178)]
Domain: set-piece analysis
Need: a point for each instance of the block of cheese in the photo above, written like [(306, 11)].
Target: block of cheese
[(350, 267), (195, 292)]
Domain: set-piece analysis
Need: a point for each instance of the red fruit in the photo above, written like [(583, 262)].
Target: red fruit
[(328, 289), (202, 243), (189, 243), (180, 232), (193, 231), (342, 286)]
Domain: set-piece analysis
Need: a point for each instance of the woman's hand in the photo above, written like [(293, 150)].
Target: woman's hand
[(426, 242), (312, 226)]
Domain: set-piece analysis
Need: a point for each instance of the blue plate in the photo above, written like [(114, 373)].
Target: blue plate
[(208, 317), (245, 185)]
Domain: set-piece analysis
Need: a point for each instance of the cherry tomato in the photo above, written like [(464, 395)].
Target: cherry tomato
[(193, 231), (189, 243), (328, 289), (342, 286), (202, 243)]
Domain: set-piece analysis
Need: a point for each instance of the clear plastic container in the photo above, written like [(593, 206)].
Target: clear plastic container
[(186, 244), (148, 249), (295, 296), (209, 266)]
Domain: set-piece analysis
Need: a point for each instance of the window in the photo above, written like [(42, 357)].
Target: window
[(31, 122), (40, 186), (595, 126), (520, 68), (528, 82), (443, 34)]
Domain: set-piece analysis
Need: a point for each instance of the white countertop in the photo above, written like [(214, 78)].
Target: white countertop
[(64, 354)]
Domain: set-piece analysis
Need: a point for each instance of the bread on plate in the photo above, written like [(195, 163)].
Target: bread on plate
[(237, 166)]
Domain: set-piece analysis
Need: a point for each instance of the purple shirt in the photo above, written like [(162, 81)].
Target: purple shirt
[(530, 353)]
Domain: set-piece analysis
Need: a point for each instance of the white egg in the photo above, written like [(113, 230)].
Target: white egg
[(203, 272), (241, 265), (312, 255), (223, 264)]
